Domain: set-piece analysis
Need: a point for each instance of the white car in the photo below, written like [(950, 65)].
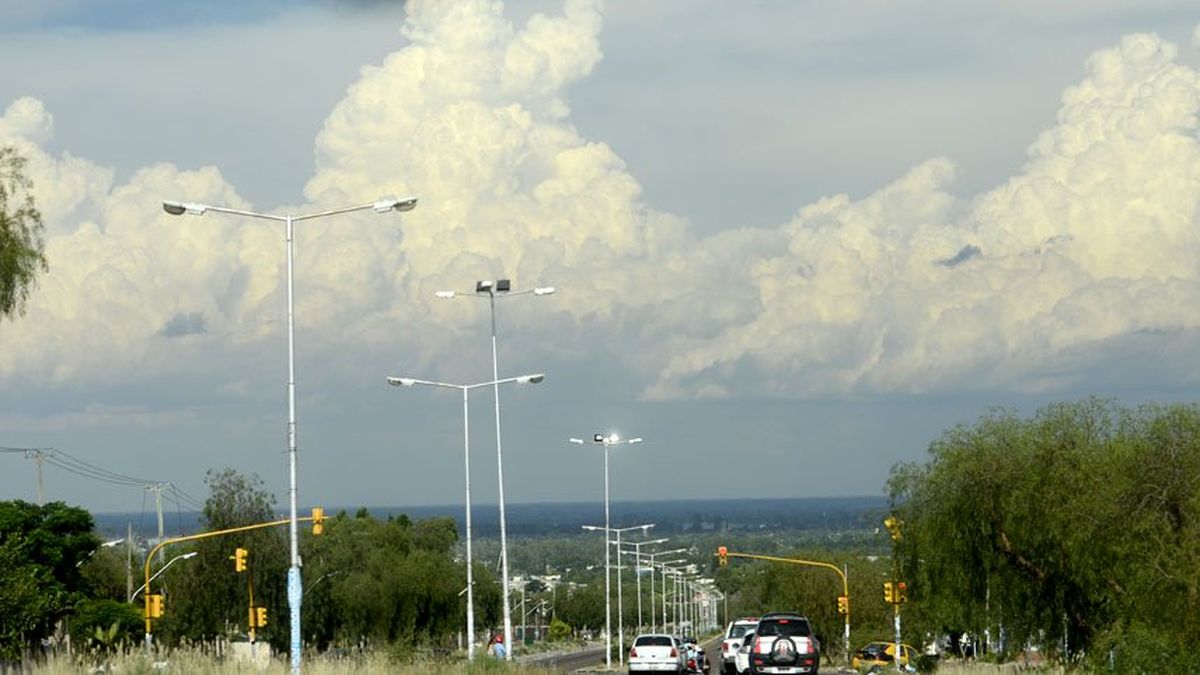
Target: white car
[(741, 660), (656, 653), (732, 642)]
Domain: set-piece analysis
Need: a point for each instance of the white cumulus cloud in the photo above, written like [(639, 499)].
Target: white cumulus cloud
[(911, 288)]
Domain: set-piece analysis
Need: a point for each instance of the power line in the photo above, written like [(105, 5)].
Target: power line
[(71, 464)]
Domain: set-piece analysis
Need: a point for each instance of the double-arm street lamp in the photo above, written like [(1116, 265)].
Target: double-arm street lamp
[(607, 441), (465, 389), (387, 205), (489, 289)]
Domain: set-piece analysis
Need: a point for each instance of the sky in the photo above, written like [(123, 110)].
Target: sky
[(793, 242)]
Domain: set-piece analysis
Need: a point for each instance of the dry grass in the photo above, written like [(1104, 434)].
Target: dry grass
[(976, 668), (196, 663)]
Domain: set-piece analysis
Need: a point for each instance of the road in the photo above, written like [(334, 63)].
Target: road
[(592, 660)]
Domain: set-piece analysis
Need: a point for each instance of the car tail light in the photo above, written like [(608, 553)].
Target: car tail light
[(633, 653), (674, 652)]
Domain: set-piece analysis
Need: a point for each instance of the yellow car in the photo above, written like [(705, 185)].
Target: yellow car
[(882, 654)]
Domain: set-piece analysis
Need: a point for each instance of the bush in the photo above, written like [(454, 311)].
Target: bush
[(1138, 649), (102, 615), (559, 630)]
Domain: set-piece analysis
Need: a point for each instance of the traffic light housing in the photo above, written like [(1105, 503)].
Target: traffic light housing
[(901, 592), (239, 559), (843, 604), (722, 556), (318, 520), (889, 592), (892, 523), (258, 617), (154, 605)]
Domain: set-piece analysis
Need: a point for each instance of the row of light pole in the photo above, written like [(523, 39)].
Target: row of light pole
[(490, 290), (483, 289)]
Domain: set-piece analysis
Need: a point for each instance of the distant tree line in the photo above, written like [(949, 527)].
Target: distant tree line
[(1076, 530)]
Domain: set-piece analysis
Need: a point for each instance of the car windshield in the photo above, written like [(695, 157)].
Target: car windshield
[(653, 641), (738, 631), (784, 627)]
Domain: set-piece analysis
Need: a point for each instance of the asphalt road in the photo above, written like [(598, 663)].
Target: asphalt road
[(592, 660)]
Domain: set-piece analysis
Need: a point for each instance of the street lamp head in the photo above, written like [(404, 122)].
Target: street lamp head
[(401, 381), (531, 379), (598, 438), (493, 286), (180, 208), (393, 204), (633, 440), (188, 556), (577, 441), (545, 290), (445, 295)]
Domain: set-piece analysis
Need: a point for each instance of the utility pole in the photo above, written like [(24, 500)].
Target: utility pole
[(157, 489), (129, 560), (39, 456)]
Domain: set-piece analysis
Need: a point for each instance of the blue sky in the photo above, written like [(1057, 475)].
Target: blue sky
[(743, 211)]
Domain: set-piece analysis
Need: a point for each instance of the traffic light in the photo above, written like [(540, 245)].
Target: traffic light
[(722, 555), (901, 592), (154, 605), (889, 592), (892, 523), (843, 604), (318, 517), (239, 559), (261, 616)]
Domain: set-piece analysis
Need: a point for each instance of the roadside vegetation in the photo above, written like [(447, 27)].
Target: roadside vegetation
[(1074, 530)]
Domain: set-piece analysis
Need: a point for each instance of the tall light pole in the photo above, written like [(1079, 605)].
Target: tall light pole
[(637, 570), (607, 441), (466, 389), (387, 205), (489, 289), (666, 568), (652, 556)]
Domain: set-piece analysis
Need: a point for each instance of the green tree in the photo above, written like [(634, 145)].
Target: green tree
[(40, 581), (205, 595), (1076, 527), (21, 245)]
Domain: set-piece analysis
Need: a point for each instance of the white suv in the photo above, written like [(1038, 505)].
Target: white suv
[(733, 641)]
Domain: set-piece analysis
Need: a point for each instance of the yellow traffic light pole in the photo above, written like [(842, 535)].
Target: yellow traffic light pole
[(155, 600), (724, 552)]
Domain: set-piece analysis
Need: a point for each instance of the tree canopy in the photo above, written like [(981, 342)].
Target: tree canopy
[(1076, 529), (21, 245)]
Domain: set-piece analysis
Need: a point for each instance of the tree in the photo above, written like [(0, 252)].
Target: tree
[(1078, 527), (40, 580), (206, 593), (21, 245)]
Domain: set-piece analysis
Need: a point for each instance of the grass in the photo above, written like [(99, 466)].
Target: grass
[(194, 662)]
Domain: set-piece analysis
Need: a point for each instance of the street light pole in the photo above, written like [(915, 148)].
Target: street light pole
[(466, 389), (607, 441), (295, 589), (489, 289), (141, 588)]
